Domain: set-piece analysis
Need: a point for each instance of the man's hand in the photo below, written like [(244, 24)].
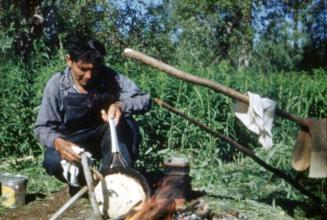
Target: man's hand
[(114, 111), (65, 150)]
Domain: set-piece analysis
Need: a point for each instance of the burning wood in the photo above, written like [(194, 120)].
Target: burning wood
[(168, 198), (152, 210)]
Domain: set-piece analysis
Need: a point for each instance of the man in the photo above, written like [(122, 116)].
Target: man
[(76, 105)]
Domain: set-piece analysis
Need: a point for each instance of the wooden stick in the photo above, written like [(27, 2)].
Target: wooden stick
[(247, 152), (90, 186), (203, 82), (71, 201)]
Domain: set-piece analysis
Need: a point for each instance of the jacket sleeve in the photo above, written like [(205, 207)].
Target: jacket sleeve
[(49, 117), (134, 100)]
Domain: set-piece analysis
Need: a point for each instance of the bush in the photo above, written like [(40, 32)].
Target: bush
[(21, 92), (16, 111)]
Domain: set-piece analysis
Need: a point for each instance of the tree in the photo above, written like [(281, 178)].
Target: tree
[(315, 23), (214, 30), (280, 35)]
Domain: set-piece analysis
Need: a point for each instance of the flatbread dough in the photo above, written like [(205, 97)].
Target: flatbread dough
[(117, 194)]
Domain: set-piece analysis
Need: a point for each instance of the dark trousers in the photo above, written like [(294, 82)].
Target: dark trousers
[(98, 143)]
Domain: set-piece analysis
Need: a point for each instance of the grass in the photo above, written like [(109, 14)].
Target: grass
[(216, 166), (231, 180)]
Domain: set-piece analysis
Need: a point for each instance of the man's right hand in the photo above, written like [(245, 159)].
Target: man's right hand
[(65, 150)]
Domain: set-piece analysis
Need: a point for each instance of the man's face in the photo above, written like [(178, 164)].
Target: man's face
[(83, 71)]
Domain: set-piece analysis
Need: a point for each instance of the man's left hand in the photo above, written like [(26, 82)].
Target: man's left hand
[(114, 111)]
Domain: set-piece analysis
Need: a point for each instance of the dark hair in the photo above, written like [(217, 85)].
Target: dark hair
[(89, 50)]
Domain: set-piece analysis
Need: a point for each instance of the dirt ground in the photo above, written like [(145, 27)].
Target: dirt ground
[(40, 209), (44, 208)]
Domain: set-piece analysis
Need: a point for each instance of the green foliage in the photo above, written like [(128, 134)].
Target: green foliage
[(16, 112), (5, 41), (216, 166), (21, 94), (212, 31), (42, 75)]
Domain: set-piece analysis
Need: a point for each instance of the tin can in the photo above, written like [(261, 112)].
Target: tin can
[(177, 165), (177, 177), (13, 190)]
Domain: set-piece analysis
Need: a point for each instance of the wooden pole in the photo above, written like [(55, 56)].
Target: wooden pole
[(172, 71), (247, 152), (90, 186)]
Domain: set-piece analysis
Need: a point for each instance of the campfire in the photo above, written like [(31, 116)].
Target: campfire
[(170, 199), (120, 195)]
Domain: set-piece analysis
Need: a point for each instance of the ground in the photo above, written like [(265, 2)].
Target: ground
[(230, 194), (43, 208)]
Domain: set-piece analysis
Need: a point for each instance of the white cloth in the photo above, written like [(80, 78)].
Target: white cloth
[(71, 170), (258, 117)]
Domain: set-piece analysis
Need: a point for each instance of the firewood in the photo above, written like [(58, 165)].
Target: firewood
[(165, 211), (152, 210)]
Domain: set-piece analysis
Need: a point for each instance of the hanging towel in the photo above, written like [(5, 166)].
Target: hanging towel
[(318, 160), (71, 170), (258, 117)]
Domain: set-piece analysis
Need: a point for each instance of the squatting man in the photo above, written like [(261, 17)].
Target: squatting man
[(76, 105)]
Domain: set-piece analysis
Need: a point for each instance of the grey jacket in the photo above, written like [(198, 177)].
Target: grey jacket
[(53, 116)]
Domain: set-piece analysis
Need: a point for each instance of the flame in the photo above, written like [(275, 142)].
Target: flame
[(162, 205)]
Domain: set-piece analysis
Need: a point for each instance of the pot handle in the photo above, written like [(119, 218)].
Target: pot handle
[(114, 137)]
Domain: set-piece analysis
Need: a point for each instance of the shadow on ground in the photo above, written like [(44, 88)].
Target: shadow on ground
[(33, 196)]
